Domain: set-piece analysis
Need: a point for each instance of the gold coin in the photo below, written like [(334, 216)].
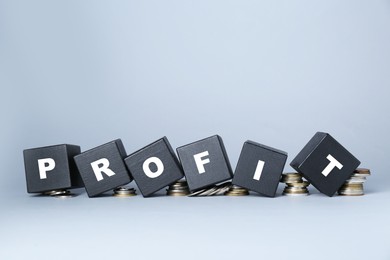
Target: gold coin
[(124, 192), (172, 192), (235, 194), (291, 180), (178, 193), (351, 193), (125, 195), (236, 191), (296, 190), (353, 185), (362, 171), (302, 184), (291, 174), (351, 188)]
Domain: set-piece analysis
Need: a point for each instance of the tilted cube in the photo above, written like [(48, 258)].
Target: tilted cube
[(259, 168), (154, 167), (325, 163), (205, 162), (102, 168)]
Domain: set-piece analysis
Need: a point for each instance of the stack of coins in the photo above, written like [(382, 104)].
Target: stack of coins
[(236, 191), (124, 192), (213, 190), (295, 185), (60, 194), (179, 188), (354, 185)]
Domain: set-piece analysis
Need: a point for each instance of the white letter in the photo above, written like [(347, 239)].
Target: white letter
[(199, 162), (101, 166), (259, 170), (333, 163), (45, 165), (157, 162)]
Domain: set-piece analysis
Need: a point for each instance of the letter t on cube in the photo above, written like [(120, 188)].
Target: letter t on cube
[(325, 163)]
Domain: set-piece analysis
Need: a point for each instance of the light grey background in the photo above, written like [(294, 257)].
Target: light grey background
[(275, 72)]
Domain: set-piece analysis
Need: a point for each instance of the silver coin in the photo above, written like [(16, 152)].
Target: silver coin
[(123, 192), (295, 189), (350, 191), (361, 175), (222, 191), (295, 194), (218, 189), (59, 192), (54, 192), (221, 188), (235, 187), (208, 191), (225, 184), (178, 188), (65, 196), (353, 181), (351, 194), (196, 193)]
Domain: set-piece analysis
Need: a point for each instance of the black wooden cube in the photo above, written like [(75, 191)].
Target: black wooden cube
[(205, 162), (51, 168), (325, 163), (154, 167), (259, 168), (102, 168)]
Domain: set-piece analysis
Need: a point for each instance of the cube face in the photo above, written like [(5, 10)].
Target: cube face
[(259, 168), (154, 167), (205, 162), (51, 168), (325, 163), (102, 168)]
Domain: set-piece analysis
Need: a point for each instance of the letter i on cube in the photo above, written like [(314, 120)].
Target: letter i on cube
[(259, 168)]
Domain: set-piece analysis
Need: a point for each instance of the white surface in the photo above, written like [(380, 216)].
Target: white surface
[(251, 227)]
